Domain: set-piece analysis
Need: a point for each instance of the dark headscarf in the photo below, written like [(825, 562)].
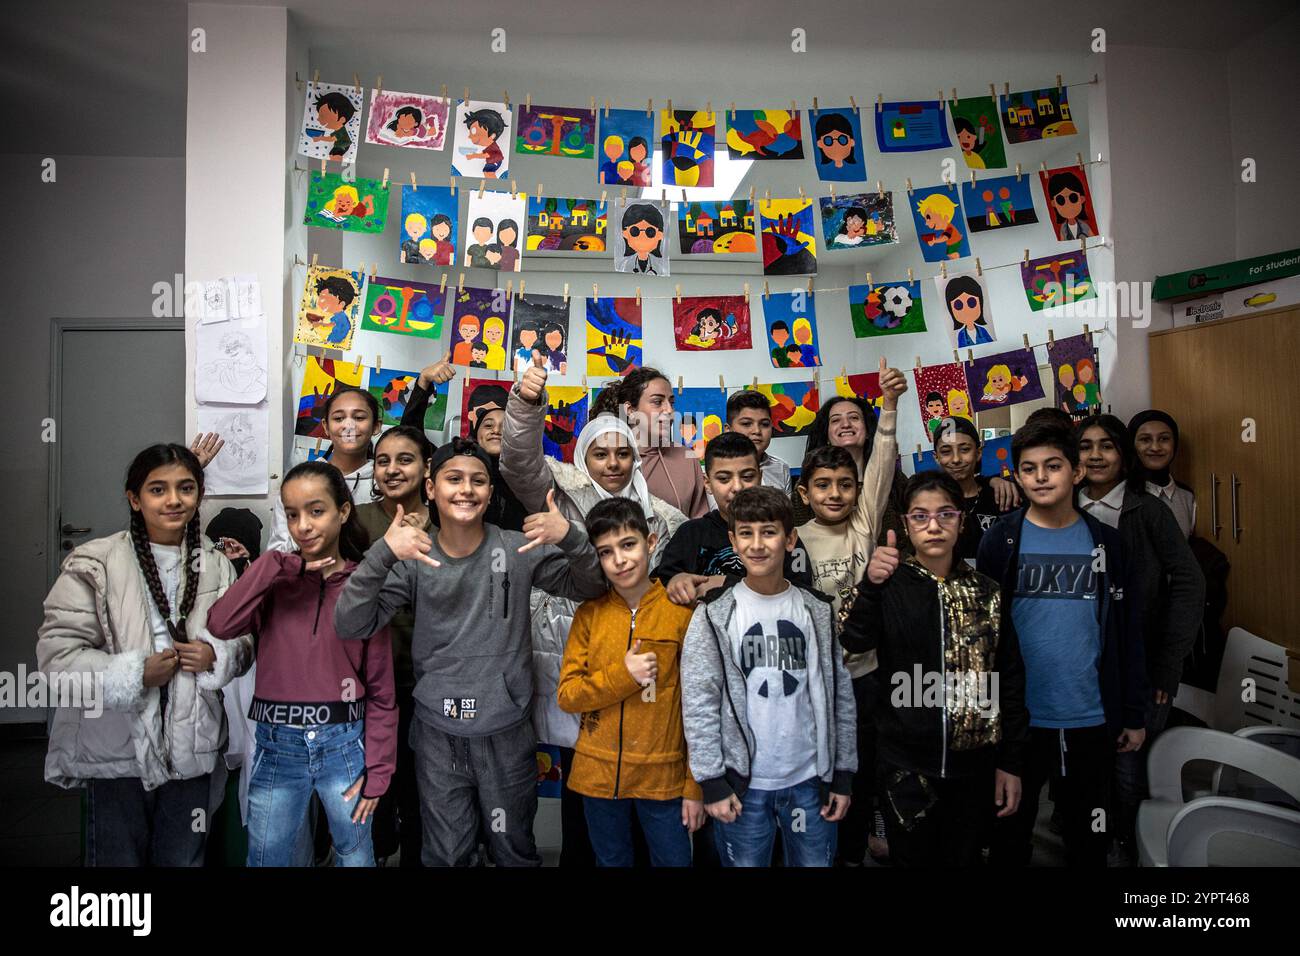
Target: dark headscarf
[(242, 525), (1141, 474)]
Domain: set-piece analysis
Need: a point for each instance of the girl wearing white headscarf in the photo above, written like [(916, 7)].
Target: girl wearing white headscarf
[(606, 464)]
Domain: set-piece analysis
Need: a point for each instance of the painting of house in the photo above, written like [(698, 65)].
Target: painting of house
[(705, 228)]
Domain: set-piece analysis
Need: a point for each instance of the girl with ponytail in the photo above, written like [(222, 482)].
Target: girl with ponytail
[(139, 721)]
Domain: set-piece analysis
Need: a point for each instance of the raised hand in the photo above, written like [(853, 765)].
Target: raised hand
[(320, 564), (409, 543), (884, 560), (545, 527), (533, 383), (683, 586), (205, 447), (892, 385), (439, 373)]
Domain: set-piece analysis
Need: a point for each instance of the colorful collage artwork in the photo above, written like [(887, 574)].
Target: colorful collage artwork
[(979, 134), (567, 131), (429, 225), (889, 308), (480, 318), (540, 329), (941, 391), (1031, 115), (566, 225), (625, 148), (791, 319), (789, 237), (998, 203), (858, 220), (837, 145), (794, 406), (403, 307), (911, 126), (865, 386), (711, 323), (940, 226), (1007, 378), (995, 458), (358, 206), (1076, 375), (1056, 280), (320, 378), (722, 227), (483, 135), (613, 336), (700, 413), (392, 390), (687, 141), (327, 311), (764, 134), (331, 122), (566, 415), (1069, 203), (413, 120), (966, 302), (479, 396)]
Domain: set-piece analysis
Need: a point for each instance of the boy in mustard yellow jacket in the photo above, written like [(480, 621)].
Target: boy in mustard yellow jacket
[(620, 673)]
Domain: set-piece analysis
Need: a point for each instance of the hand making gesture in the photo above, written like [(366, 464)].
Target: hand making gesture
[(545, 527), (408, 542)]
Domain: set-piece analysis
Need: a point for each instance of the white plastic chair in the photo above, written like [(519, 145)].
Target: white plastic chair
[(1178, 746), (1234, 833), (1247, 656), (1229, 782)]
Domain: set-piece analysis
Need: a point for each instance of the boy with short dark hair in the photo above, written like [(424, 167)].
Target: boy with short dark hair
[(621, 673), (1071, 605), (750, 413), (700, 557), (933, 622), (475, 747), (766, 700)]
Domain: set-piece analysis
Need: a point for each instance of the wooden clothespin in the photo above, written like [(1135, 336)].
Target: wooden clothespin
[(584, 382), (374, 270), (1026, 257), (1058, 84), (746, 291), (767, 291), (767, 196), (315, 77), (1078, 158), (528, 103), (670, 110), (954, 95), (414, 185), (802, 197), (595, 292), (607, 107), (679, 384), (956, 356), (649, 107), (566, 293), (918, 362), (943, 269), (1006, 89), (942, 104), (853, 103), (466, 96), (979, 270), (442, 286), (844, 372), (1017, 172), (623, 195), (322, 166), (603, 194), (539, 191), (1051, 338), (318, 441), (918, 448), (754, 384), (810, 289), (909, 186), (832, 189), (510, 289), (1026, 338), (505, 97), (481, 186), (514, 190), (708, 109), (379, 364), (679, 293), (1088, 332), (521, 287), (452, 181), (356, 82), (815, 110), (460, 283), (751, 195), (314, 255), (357, 367), (880, 102), (722, 385), (870, 284), (663, 197), (993, 93), (384, 184), (379, 84), (1083, 245), (794, 107), (1042, 167), (909, 274), (444, 92), (638, 295), (880, 188)]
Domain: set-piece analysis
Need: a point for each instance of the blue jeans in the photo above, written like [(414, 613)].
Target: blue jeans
[(806, 838), (290, 763), (609, 824)]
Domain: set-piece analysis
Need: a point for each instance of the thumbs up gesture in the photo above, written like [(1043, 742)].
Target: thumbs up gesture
[(533, 383), (408, 542), (892, 385), (643, 667), (545, 527), (439, 373), (884, 560)]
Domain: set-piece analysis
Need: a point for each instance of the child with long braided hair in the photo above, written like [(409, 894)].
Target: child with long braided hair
[(125, 634)]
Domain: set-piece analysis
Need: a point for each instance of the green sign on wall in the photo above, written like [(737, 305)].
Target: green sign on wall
[(1228, 275)]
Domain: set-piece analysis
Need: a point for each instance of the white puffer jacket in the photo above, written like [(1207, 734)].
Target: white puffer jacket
[(97, 628), (530, 475)]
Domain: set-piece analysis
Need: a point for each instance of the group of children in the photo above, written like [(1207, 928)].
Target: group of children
[(728, 662)]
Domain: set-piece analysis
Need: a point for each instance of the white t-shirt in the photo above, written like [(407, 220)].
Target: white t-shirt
[(168, 560), (1105, 509), (773, 642)]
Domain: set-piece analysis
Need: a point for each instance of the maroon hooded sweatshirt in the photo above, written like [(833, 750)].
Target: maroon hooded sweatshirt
[(306, 674)]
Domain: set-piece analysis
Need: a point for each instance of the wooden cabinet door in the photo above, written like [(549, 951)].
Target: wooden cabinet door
[(1228, 382)]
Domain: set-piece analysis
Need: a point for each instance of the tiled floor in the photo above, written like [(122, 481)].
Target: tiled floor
[(40, 824)]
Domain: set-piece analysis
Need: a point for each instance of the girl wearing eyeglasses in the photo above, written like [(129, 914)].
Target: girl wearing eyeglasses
[(949, 737)]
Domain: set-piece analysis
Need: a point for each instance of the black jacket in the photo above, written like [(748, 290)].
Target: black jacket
[(1122, 665), (920, 626), (1170, 582), (701, 546)]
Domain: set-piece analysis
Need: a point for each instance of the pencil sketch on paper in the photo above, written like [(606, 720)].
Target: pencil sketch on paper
[(230, 368)]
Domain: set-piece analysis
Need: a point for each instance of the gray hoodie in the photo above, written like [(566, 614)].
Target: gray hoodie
[(471, 648), (719, 741)]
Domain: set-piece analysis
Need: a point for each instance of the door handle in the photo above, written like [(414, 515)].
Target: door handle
[(1215, 527), (69, 529), (1236, 527)]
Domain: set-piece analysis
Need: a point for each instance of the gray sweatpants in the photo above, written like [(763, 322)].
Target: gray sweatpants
[(472, 783)]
